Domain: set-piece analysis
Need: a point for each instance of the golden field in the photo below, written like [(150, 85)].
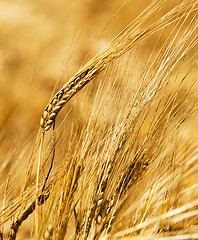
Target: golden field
[(125, 146)]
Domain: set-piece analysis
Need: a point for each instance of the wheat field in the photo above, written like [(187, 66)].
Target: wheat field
[(98, 127)]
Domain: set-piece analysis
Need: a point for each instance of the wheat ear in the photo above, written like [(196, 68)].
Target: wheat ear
[(120, 45)]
